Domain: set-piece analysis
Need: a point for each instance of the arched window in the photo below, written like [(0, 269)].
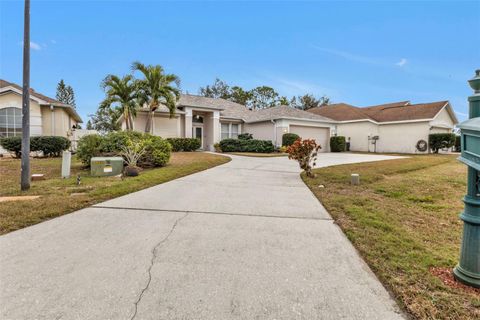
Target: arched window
[(10, 122), (197, 119)]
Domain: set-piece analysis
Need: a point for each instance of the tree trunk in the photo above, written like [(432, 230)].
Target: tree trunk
[(25, 174), (148, 124), (126, 115), (130, 120)]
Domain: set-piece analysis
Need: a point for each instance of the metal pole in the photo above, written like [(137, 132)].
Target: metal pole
[(25, 176)]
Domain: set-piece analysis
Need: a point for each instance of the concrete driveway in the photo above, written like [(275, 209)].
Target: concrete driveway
[(245, 240)]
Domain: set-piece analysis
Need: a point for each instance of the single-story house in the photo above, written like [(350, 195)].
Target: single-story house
[(212, 120), (393, 127), (48, 117)]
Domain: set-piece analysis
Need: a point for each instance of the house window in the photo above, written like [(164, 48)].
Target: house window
[(225, 130), (234, 133), (10, 122)]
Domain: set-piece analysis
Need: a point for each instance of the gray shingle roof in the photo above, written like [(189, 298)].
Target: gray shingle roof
[(236, 111), (189, 100), (232, 110), (280, 112)]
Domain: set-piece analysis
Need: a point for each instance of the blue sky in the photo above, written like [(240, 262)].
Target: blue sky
[(361, 53)]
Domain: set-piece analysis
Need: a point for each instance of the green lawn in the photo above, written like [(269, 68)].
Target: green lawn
[(56, 193), (403, 219)]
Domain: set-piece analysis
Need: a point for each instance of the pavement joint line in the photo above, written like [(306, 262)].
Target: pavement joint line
[(152, 261), (239, 185), (266, 170), (213, 212)]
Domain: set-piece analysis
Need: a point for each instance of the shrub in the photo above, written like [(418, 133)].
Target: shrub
[(245, 136), (439, 141), (282, 149), (289, 138), (156, 150), (89, 146), (305, 153), (115, 140), (12, 145), (51, 146), (338, 144), (184, 144), (458, 144), (239, 145)]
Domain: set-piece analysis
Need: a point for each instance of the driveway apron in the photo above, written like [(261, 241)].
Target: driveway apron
[(245, 240)]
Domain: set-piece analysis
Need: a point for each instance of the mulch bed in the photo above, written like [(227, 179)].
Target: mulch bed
[(446, 276)]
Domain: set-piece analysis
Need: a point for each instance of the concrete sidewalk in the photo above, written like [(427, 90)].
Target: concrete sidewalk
[(246, 240)]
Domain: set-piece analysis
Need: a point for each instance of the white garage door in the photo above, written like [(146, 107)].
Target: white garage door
[(321, 135)]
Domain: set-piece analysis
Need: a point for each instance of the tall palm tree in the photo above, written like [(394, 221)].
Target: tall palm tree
[(121, 94), (156, 88)]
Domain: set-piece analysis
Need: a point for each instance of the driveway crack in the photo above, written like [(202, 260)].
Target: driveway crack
[(152, 261)]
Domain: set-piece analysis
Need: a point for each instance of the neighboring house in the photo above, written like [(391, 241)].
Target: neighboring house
[(212, 120), (393, 127), (48, 117)]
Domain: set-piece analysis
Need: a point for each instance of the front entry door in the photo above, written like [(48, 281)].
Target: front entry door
[(198, 133)]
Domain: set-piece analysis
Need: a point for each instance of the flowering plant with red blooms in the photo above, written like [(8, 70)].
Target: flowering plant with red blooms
[(305, 152)]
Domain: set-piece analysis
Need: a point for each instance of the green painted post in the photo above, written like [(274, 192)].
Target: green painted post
[(468, 269)]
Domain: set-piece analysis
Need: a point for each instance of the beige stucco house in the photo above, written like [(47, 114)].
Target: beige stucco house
[(48, 117), (394, 127), (212, 120)]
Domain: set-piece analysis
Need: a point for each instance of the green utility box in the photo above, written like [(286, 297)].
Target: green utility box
[(106, 166)]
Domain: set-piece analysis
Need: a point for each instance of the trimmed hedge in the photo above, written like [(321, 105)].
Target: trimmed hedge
[(338, 144), (157, 150), (289, 138), (51, 146), (184, 144), (438, 141), (252, 145), (12, 145), (245, 136)]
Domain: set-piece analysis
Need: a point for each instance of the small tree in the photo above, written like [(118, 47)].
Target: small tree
[(89, 125), (220, 89), (105, 120), (65, 94), (439, 141), (305, 153)]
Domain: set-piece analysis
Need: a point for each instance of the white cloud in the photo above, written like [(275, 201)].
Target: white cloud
[(35, 46), (290, 86), (348, 56), (358, 58), (402, 62)]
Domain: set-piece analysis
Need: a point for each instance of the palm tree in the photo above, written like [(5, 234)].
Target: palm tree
[(156, 88), (121, 95)]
